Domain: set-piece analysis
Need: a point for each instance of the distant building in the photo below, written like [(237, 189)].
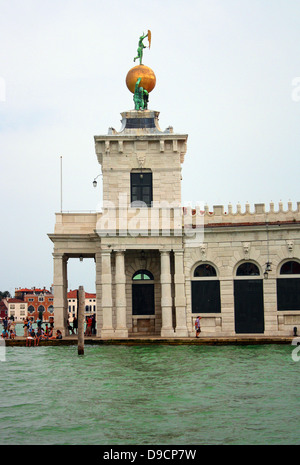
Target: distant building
[(38, 301), (90, 304), (17, 308)]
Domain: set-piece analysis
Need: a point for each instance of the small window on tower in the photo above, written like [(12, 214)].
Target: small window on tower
[(141, 189)]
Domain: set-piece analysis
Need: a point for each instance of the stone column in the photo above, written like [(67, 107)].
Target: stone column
[(106, 281), (60, 289), (121, 329), (81, 306), (98, 283), (66, 307), (180, 299), (167, 329)]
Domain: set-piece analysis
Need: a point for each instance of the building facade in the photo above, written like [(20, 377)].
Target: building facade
[(89, 308), (38, 302), (159, 265), (17, 309)]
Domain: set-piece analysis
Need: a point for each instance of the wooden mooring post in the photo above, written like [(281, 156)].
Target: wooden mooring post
[(81, 304)]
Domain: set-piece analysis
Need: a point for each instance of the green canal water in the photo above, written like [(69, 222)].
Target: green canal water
[(150, 395)]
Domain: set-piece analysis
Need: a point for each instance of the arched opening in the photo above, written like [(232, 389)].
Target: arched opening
[(205, 270), (248, 299), (31, 309), (41, 311), (51, 309), (205, 290), (142, 275), (248, 269), (288, 286), (143, 293)]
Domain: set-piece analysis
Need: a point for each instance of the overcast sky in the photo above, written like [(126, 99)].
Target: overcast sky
[(228, 75)]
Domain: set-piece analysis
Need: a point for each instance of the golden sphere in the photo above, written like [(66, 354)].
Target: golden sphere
[(141, 71)]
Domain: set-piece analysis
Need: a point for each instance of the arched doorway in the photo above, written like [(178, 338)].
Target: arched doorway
[(143, 293), (248, 299)]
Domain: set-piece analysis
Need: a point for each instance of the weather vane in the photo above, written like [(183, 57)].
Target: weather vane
[(141, 46)]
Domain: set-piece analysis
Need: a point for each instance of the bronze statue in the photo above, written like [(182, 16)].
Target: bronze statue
[(140, 97), (141, 46)]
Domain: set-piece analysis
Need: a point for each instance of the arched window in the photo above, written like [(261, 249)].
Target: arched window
[(51, 309), (204, 270), (288, 286), (205, 290), (248, 269), (142, 275), (291, 267), (41, 309), (31, 309), (143, 293)]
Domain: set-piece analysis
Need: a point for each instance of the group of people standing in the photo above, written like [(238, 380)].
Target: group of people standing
[(90, 326), (9, 328)]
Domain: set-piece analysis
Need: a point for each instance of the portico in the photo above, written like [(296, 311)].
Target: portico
[(116, 262)]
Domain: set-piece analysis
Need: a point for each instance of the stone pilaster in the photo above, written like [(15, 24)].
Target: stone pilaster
[(167, 329), (180, 299), (98, 283), (121, 329), (60, 289), (107, 326)]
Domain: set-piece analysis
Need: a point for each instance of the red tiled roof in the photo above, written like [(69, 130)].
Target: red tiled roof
[(15, 301), (73, 295), (36, 289), (90, 296)]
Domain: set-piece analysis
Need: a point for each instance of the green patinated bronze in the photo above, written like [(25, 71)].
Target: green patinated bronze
[(140, 97), (140, 49)]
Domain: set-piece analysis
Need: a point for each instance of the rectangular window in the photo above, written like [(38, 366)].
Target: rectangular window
[(141, 188), (288, 294), (206, 297)]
